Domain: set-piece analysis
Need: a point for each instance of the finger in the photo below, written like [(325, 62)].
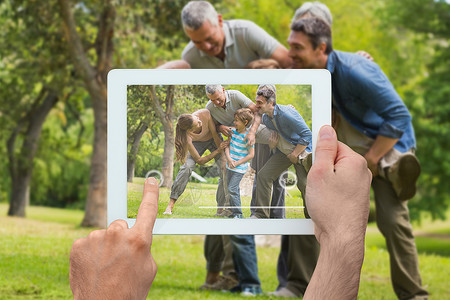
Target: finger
[(149, 207), (117, 225), (326, 149), (344, 153)]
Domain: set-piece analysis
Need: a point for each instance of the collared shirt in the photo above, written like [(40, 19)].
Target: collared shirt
[(239, 150), (244, 42), (234, 101), (290, 125), (365, 97)]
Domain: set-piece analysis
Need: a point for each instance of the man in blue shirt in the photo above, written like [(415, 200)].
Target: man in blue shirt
[(291, 126), (371, 118)]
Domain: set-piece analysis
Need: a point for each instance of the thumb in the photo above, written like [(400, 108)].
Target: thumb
[(326, 149)]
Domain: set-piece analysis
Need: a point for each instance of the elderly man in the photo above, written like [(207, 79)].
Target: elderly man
[(373, 121), (218, 44)]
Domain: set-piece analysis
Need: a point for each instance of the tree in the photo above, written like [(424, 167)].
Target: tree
[(21, 164), (94, 78), (139, 119), (162, 102), (429, 99), (33, 79)]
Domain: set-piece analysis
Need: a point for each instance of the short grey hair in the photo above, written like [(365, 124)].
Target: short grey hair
[(211, 89), (269, 92), (195, 13), (315, 10)]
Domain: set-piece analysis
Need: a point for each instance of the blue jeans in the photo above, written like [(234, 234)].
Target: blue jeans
[(245, 261), (233, 180)]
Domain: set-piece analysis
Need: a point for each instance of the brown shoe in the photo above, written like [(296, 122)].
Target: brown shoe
[(403, 176), (219, 212), (225, 283), (225, 213)]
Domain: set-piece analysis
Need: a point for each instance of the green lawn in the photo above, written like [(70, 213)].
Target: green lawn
[(199, 201), (34, 260)]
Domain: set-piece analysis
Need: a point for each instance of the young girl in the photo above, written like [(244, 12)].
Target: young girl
[(195, 133), (238, 155)]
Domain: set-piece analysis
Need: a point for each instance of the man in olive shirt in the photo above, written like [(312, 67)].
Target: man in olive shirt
[(223, 44)]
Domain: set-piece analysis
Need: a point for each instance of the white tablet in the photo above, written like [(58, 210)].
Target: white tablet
[(136, 136)]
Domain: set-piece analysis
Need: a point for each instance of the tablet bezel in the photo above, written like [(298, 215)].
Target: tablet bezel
[(120, 79)]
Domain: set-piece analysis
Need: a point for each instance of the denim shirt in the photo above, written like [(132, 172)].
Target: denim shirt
[(291, 125), (365, 97)]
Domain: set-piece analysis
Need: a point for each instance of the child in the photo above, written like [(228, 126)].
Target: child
[(238, 155)]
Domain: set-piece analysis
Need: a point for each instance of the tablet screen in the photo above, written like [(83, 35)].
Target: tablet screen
[(144, 107), (192, 186)]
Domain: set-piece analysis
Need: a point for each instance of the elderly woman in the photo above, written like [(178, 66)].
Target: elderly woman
[(195, 133)]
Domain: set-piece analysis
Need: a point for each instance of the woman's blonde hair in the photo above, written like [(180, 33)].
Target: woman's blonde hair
[(184, 123)]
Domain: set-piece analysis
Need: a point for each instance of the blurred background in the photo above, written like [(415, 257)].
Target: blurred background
[(54, 58)]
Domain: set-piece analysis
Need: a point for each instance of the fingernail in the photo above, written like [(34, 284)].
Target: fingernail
[(152, 181), (326, 132)]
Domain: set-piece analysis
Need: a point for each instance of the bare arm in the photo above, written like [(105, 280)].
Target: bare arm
[(256, 122), (281, 56), (337, 195), (379, 148), (212, 128), (175, 64), (204, 159)]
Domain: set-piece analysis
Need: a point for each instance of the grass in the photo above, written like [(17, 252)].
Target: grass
[(34, 260), (198, 201)]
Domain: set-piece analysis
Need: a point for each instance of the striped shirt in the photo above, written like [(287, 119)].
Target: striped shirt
[(238, 150)]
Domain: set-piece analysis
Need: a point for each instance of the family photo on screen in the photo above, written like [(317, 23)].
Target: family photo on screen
[(227, 156)]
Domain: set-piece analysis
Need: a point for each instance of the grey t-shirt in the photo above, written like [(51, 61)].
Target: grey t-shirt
[(234, 101), (244, 42)]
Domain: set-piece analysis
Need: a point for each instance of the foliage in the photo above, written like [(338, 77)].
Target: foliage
[(32, 64), (61, 171), (187, 99), (407, 38), (429, 99)]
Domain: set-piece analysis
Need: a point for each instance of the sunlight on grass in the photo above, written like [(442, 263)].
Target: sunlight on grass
[(34, 260), (199, 201)]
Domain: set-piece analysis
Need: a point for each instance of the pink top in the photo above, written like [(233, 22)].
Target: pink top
[(205, 134)]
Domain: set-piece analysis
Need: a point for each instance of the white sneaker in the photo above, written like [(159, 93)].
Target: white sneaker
[(284, 292)]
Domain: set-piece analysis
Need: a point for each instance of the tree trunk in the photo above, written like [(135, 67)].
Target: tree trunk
[(165, 115), (95, 209), (169, 146), (95, 82), (21, 166), (131, 161)]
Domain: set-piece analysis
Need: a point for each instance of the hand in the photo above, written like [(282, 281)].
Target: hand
[(337, 192), (273, 139), (117, 263), (250, 137), (372, 164), (365, 55), (293, 158), (223, 145), (337, 197), (291, 106), (225, 130), (232, 164)]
